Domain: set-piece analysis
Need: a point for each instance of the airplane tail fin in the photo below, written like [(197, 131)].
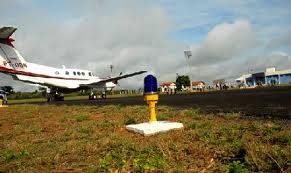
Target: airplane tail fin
[(9, 56)]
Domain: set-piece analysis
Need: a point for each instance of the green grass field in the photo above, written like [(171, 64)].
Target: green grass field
[(49, 138)]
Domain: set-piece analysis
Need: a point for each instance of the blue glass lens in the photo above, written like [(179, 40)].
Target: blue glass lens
[(150, 84)]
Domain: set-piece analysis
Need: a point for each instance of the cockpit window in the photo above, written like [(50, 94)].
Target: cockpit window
[(83, 73), (90, 74), (78, 73), (67, 73), (74, 73)]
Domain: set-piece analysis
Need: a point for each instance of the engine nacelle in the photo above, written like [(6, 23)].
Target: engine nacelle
[(109, 85)]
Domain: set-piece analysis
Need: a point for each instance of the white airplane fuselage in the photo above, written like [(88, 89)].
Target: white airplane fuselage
[(11, 62)]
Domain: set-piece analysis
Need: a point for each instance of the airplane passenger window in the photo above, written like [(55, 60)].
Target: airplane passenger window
[(57, 72), (78, 73), (83, 73), (67, 73), (90, 74)]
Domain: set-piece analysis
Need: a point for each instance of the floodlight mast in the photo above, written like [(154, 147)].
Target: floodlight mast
[(111, 68), (188, 54)]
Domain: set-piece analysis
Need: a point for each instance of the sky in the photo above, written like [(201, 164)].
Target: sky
[(227, 38)]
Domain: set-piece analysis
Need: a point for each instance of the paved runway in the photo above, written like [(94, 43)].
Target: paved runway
[(268, 102)]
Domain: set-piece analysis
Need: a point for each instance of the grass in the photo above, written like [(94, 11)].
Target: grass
[(81, 117), (48, 138)]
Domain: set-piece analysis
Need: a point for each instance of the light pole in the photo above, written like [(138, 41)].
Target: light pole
[(111, 68), (188, 54)]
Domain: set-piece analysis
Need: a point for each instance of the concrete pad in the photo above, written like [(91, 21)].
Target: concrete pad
[(154, 127)]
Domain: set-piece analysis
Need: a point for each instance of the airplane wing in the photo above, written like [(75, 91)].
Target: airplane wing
[(6, 32), (117, 78)]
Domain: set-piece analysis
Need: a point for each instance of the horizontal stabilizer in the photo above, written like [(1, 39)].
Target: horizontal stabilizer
[(6, 32)]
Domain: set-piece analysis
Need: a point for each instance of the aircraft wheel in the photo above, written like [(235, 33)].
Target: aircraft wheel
[(92, 97)]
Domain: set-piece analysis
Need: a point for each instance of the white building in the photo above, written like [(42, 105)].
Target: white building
[(198, 85), (168, 87)]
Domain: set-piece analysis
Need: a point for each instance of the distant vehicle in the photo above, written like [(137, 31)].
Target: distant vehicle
[(57, 80), (3, 97)]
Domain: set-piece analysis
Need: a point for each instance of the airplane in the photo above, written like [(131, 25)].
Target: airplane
[(57, 80)]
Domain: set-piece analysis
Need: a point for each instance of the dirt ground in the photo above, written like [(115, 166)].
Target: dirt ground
[(266, 102)]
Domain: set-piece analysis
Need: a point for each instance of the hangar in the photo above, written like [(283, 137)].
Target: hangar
[(274, 77), (270, 77)]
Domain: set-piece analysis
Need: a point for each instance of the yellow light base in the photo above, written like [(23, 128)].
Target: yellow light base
[(1, 104), (152, 100)]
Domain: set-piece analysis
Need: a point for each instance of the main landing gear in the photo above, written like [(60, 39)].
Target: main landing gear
[(93, 96), (103, 95), (55, 96)]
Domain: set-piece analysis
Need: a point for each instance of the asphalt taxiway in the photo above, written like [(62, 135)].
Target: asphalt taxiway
[(268, 102)]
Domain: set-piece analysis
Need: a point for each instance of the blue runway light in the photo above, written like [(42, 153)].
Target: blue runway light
[(150, 84)]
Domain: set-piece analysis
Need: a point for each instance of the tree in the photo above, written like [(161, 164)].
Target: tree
[(182, 80), (8, 89)]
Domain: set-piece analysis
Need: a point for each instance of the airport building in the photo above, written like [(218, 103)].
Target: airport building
[(167, 87), (270, 77), (198, 85), (278, 77), (170, 87)]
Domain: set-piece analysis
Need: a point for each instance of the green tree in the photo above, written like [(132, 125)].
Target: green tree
[(8, 89), (182, 80)]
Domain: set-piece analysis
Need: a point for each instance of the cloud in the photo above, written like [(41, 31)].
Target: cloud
[(221, 53), (280, 41), (278, 59), (224, 42)]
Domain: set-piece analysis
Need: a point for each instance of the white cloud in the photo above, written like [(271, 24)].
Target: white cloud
[(277, 59), (280, 40), (224, 42)]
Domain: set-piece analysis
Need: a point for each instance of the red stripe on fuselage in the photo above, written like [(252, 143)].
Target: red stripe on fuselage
[(13, 71)]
